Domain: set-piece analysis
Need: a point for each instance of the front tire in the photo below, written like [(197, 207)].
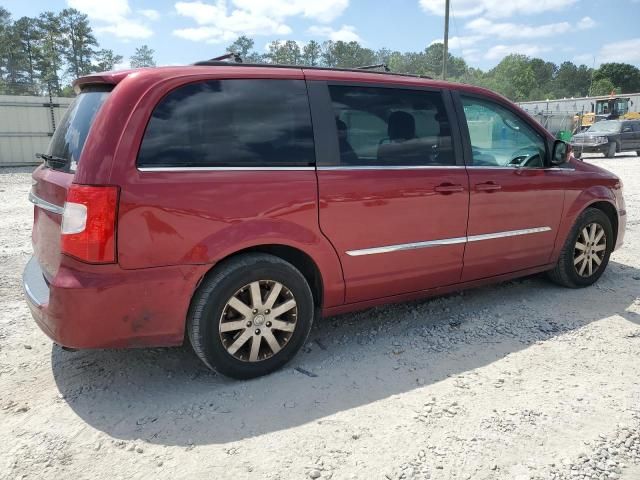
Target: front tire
[(250, 315), (585, 254)]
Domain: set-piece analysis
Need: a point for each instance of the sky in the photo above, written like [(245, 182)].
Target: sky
[(587, 32)]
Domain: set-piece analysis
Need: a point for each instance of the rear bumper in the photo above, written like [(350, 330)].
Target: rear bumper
[(104, 306)]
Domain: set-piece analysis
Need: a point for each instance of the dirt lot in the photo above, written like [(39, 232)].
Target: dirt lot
[(523, 380)]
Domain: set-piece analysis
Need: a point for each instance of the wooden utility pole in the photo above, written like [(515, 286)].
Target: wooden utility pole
[(446, 41)]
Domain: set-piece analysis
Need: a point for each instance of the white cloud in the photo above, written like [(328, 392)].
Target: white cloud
[(322, 11), (150, 13), (457, 43), (584, 59), (113, 17), (122, 66), (586, 23), (218, 21), (111, 11), (513, 30), (300, 43), (202, 13), (126, 29), (495, 8), (497, 52), (626, 51), (216, 26), (346, 33), (471, 54)]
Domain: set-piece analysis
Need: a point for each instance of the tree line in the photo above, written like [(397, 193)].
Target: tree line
[(46, 53), (518, 77)]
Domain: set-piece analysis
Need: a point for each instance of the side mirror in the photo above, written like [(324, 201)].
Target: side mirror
[(626, 129), (560, 153)]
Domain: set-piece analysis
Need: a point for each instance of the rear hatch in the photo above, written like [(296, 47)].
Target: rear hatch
[(52, 180)]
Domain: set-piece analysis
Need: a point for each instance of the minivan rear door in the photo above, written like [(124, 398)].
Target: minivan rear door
[(52, 179), (392, 187)]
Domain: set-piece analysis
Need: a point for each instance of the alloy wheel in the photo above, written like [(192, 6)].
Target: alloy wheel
[(590, 249), (258, 320)]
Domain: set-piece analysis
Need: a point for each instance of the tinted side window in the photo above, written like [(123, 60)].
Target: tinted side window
[(231, 123), (636, 126), (499, 138), (387, 126)]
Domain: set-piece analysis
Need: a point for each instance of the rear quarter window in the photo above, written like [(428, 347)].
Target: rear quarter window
[(230, 123), (70, 135)]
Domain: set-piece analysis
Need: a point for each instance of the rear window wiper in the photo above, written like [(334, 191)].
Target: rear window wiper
[(52, 160)]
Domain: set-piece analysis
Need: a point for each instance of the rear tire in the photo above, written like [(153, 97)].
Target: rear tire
[(611, 152), (250, 315), (585, 254), (638, 153), (577, 154)]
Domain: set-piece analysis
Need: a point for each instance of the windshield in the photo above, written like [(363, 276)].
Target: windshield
[(606, 126), (68, 140)]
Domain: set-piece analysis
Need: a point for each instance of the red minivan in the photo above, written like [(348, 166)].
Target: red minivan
[(233, 204)]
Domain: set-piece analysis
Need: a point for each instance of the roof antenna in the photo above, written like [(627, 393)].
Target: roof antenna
[(383, 66), (231, 55)]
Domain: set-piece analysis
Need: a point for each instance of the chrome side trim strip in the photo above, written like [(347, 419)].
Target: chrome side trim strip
[(222, 169), (444, 241), (390, 167), (510, 167), (511, 233), (335, 167), (48, 206), (406, 246)]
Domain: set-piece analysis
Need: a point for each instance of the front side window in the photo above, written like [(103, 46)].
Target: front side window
[(231, 123), (499, 138), (391, 127)]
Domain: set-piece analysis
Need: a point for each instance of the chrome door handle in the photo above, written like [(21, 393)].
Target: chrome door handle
[(488, 187)]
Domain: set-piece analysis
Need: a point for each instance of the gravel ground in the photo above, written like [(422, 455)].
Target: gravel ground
[(522, 380)]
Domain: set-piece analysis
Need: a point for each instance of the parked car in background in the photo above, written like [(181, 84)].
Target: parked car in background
[(233, 205), (608, 137)]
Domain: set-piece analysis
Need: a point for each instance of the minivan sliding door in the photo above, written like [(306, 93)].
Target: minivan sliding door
[(393, 190)]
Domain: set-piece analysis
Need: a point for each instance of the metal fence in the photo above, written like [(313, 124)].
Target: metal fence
[(26, 126)]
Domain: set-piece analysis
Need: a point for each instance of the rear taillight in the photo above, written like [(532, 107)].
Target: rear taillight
[(89, 223)]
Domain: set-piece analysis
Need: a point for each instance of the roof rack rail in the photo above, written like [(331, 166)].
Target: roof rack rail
[(221, 59), (216, 62), (383, 66)]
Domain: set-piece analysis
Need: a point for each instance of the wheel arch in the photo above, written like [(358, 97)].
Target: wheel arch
[(599, 197), (609, 210), (295, 256)]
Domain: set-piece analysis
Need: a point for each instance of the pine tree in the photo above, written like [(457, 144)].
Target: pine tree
[(51, 47), (143, 57), (79, 51), (106, 60)]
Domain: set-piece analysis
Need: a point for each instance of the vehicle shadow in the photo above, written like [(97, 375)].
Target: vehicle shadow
[(166, 396)]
